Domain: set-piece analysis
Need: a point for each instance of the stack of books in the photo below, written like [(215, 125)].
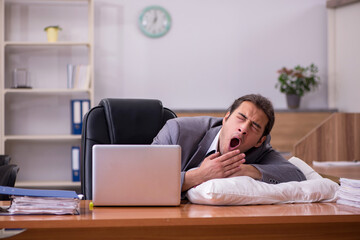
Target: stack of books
[(33, 201), (349, 192)]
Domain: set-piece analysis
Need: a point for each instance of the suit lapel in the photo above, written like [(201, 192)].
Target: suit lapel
[(203, 146)]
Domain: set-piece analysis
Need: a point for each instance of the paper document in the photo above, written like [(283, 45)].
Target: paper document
[(335, 164), (349, 192), (34, 201)]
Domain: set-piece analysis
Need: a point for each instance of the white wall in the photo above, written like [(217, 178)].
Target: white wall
[(344, 58), (216, 50)]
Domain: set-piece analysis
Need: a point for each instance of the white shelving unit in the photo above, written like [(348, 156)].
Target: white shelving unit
[(35, 124)]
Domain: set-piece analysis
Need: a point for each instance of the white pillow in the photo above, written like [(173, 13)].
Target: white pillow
[(247, 191), (306, 169)]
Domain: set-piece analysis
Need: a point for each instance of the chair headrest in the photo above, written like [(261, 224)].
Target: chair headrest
[(133, 121)]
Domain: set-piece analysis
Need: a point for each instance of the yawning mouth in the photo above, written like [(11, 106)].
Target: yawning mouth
[(234, 143)]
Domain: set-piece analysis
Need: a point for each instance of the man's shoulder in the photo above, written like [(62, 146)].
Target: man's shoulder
[(194, 122), (189, 131)]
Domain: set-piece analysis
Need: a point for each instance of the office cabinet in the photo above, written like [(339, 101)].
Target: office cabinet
[(35, 95)]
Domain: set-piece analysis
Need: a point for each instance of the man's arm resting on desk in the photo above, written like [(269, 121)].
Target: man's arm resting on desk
[(276, 169)]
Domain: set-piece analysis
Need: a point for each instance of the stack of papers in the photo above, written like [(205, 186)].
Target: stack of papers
[(336, 164), (31, 201), (349, 192)]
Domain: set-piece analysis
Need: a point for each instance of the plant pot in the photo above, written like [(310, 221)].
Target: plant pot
[(52, 34), (293, 101)]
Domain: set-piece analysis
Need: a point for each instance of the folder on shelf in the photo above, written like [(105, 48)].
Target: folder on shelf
[(76, 117), (83, 76), (78, 76), (85, 107), (70, 74), (75, 163), (35, 201), (79, 107)]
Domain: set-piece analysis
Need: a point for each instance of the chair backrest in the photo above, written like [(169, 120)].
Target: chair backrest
[(8, 175), (4, 160), (119, 121)]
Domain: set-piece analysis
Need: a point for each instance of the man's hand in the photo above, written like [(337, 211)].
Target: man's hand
[(214, 166)]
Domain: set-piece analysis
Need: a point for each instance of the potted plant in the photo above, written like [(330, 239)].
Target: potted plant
[(296, 82), (52, 33)]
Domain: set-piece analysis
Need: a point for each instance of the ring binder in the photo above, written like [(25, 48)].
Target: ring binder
[(76, 116), (78, 109), (75, 163)]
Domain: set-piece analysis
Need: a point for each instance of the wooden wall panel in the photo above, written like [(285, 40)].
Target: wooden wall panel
[(348, 137), (200, 113), (317, 143), (357, 137), (288, 129), (336, 139), (339, 3)]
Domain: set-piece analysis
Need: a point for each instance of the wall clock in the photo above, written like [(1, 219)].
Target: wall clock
[(154, 21)]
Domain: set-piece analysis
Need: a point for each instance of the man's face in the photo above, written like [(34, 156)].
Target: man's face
[(243, 129)]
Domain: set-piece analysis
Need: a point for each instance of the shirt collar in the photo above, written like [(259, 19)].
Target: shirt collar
[(215, 143)]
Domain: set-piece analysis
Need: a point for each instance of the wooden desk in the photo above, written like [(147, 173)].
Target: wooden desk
[(189, 221)]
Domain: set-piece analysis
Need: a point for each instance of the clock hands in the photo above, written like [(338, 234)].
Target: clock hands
[(155, 18)]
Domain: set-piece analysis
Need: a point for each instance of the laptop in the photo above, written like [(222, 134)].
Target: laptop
[(136, 175)]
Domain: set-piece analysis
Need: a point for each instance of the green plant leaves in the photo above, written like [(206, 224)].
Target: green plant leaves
[(298, 80)]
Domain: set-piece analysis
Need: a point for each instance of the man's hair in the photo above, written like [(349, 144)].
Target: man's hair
[(262, 103)]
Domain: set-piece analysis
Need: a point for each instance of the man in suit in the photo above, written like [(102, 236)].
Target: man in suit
[(236, 145)]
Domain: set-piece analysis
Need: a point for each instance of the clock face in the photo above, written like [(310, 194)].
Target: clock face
[(154, 21)]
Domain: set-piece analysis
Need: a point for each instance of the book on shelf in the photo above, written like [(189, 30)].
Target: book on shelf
[(69, 71), (79, 107), (35, 201), (78, 76), (75, 163)]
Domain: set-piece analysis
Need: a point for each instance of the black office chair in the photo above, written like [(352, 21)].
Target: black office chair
[(8, 173), (119, 121)]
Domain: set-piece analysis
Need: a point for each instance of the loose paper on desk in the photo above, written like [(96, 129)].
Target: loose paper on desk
[(349, 192), (335, 164), (33, 201)]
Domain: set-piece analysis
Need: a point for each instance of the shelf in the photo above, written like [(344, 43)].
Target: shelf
[(45, 91), (336, 3), (46, 44), (36, 123), (47, 1), (41, 137)]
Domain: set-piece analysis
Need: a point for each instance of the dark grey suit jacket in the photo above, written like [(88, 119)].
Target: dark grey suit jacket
[(195, 135)]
